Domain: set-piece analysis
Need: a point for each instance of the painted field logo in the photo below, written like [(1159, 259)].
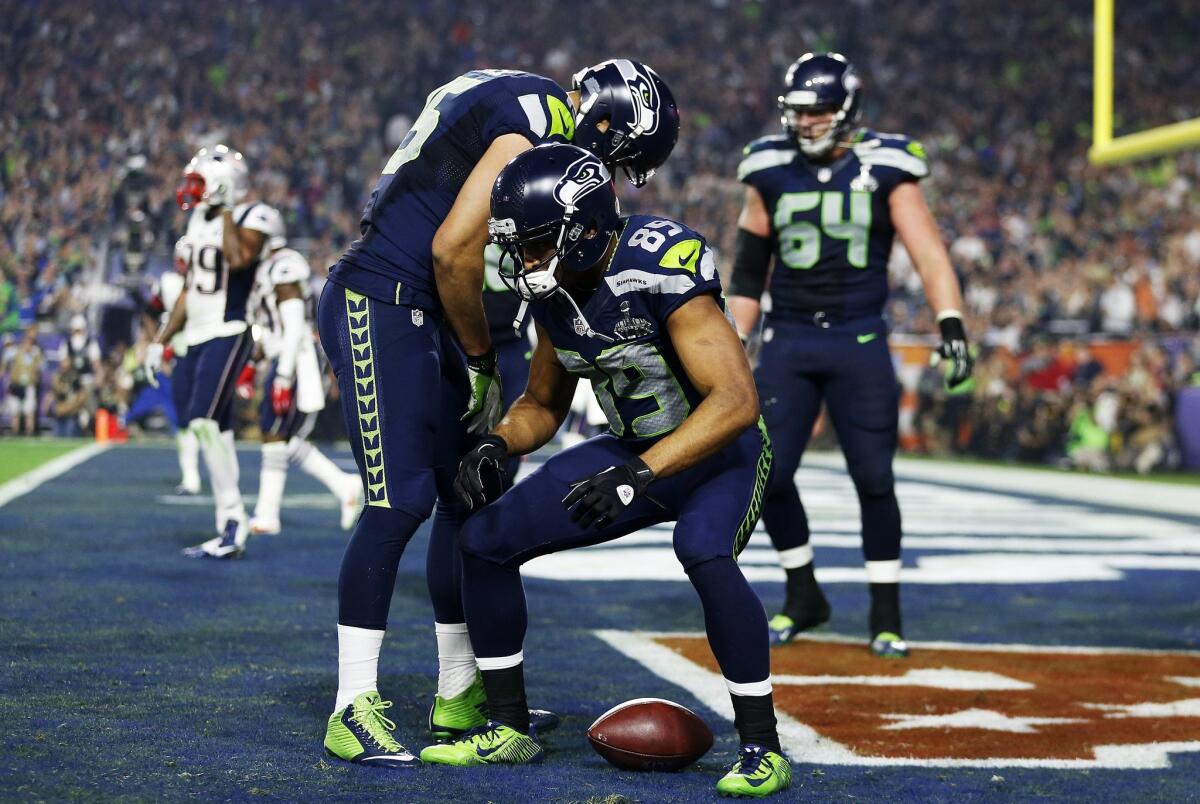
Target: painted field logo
[(967, 705)]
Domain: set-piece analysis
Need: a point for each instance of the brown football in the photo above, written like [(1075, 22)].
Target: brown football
[(650, 734)]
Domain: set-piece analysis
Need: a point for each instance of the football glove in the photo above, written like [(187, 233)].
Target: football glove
[(245, 382), (954, 348), (601, 498), (153, 363), (218, 196), (483, 473), (281, 395), (486, 405)]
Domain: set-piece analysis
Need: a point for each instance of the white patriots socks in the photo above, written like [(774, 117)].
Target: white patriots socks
[(310, 459), (188, 449), (271, 480), (358, 663), (221, 460), (456, 659)]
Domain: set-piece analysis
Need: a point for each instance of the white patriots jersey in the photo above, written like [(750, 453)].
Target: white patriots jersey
[(216, 297), (281, 268)]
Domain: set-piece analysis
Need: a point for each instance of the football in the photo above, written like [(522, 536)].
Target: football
[(650, 734)]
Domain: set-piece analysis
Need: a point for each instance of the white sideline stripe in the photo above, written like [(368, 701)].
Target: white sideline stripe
[(20, 486), (805, 745)]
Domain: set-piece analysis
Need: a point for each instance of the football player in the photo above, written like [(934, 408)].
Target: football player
[(226, 235), (635, 306), (167, 291), (293, 391), (826, 199), (402, 322)]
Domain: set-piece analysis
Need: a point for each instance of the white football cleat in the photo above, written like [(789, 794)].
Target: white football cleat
[(230, 544)]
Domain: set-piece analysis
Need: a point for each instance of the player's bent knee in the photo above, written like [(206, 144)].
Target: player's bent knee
[(478, 538), (873, 481)]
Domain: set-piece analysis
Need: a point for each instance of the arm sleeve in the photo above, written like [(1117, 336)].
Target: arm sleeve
[(751, 260), (291, 316)]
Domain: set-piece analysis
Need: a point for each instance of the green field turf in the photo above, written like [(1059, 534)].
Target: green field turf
[(19, 455)]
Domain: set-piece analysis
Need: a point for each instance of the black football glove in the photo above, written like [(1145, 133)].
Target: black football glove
[(601, 498), (483, 473), (954, 348)]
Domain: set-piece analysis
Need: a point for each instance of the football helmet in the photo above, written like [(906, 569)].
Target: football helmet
[(643, 120), (821, 82), (558, 201), (217, 176)]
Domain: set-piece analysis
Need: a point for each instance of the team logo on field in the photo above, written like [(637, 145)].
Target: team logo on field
[(631, 327), (960, 705)]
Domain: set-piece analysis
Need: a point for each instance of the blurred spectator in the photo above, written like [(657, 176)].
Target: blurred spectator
[(24, 367)]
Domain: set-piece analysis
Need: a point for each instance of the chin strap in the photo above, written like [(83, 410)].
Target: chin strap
[(558, 291)]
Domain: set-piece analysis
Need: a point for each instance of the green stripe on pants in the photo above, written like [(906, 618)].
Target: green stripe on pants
[(358, 319), (762, 472)]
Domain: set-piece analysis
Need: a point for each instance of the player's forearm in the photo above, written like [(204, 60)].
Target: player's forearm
[(291, 316), (460, 287), (746, 312), (723, 415), (940, 284), (175, 322), (528, 425)]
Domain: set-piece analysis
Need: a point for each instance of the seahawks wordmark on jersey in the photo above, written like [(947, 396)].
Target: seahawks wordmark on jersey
[(831, 223)]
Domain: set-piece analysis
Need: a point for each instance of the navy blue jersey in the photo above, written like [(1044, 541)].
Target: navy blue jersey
[(636, 375), (831, 224), (392, 261)]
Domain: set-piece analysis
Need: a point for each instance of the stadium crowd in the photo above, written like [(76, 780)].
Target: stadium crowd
[(104, 102)]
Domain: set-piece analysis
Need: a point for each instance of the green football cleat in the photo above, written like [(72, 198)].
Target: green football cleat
[(450, 717), (359, 733), (758, 773), (491, 744), (887, 645)]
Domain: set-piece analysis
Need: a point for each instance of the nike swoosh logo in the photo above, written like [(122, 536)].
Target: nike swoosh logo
[(484, 754), (868, 337), (683, 261)]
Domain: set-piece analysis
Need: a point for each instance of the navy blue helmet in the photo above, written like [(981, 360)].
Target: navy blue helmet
[(643, 120), (821, 82), (557, 203)]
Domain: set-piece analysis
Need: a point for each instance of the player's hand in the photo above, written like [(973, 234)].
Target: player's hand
[(245, 382), (601, 498), (954, 347), (281, 395), (217, 196), (153, 363), (486, 405), (483, 473)]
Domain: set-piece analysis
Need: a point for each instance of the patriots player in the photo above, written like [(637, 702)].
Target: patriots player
[(402, 322), (635, 306), (227, 237), (826, 199), (293, 391), (167, 291)]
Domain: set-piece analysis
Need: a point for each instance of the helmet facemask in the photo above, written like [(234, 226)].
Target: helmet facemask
[(822, 144)]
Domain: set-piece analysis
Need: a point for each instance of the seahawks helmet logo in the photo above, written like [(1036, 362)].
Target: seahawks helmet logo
[(582, 177), (645, 101)]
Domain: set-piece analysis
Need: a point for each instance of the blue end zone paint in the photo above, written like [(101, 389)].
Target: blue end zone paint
[(130, 671)]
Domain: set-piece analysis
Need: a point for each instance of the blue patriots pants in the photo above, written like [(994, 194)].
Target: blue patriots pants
[(849, 367)]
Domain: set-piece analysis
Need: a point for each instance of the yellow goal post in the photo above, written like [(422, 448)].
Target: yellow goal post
[(1105, 149)]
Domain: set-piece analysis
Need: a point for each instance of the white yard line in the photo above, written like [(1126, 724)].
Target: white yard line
[(20, 486), (1077, 487)]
